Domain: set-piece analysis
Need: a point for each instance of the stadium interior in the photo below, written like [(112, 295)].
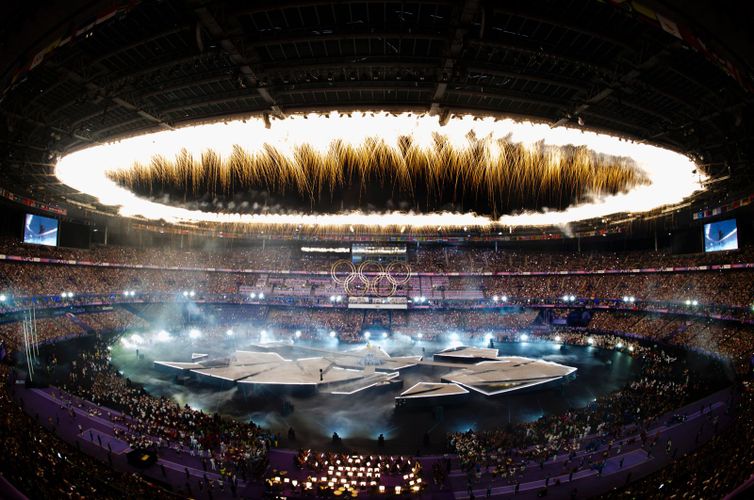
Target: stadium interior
[(381, 249)]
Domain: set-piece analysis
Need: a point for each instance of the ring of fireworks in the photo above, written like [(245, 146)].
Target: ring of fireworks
[(356, 285), (310, 155), (398, 266), (370, 277), (335, 271), (370, 267), (382, 286)]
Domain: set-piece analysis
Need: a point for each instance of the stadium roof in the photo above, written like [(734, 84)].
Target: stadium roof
[(88, 71)]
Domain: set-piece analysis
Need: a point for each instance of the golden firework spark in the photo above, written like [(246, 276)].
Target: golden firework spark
[(498, 161), (494, 169)]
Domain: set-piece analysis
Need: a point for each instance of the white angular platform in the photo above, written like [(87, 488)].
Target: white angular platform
[(349, 372), (340, 372), (369, 355), (423, 390), (175, 365), (466, 354), (367, 382), (507, 374)]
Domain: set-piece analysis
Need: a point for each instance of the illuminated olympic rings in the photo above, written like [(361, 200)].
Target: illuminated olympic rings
[(370, 277)]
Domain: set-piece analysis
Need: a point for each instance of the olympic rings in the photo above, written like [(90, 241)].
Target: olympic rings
[(351, 269), (370, 277)]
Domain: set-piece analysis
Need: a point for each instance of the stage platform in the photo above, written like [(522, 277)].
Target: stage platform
[(508, 374), (432, 390), (466, 354), (370, 367), (346, 372)]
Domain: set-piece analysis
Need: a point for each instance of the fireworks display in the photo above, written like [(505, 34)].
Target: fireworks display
[(501, 165), (494, 172)]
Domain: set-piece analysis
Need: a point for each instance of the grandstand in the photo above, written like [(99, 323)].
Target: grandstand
[(432, 249)]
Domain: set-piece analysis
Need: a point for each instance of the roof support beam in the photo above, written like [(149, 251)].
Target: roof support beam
[(562, 23), (348, 62), (211, 24), (60, 116), (266, 6), (113, 53), (376, 35), (75, 77), (50, 127), (461, 23), (605, 92)]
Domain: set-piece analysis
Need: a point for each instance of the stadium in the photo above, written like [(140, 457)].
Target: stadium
[(434, 249)]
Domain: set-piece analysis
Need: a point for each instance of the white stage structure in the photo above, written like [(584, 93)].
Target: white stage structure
[(348, 372)]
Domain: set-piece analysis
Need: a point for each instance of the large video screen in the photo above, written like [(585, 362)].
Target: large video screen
[(721, 235), (40, 230)]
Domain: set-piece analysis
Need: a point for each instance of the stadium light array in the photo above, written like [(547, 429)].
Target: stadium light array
[(3, 297), (557, 338), (590, 341), (261, 295), (384, 335), (524, 337), (194, 333), (367, 335), (333, 333), (229, 332), (629, 299), (298, 334), (419, 335), (162, 336)]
